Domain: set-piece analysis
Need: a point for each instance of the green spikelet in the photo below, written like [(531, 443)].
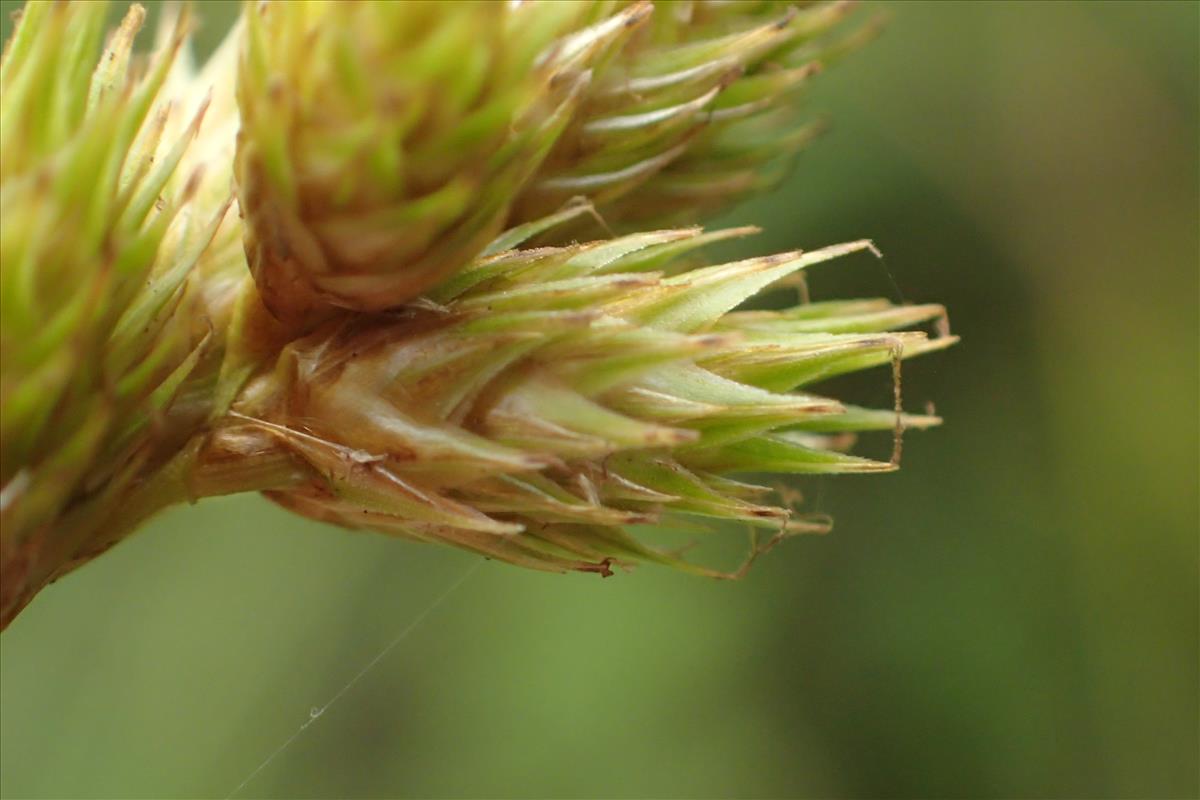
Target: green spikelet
[(382, 143), (540, 402), (101, 325), (696, 110)]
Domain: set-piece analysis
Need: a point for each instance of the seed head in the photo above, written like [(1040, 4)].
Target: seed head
[(382, 144), (695, 110), (101, 322), (400, 330), (541, 401)]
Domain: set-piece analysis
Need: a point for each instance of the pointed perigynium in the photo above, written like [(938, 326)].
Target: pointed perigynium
[(383, 143), (103, 336), (540, 402)]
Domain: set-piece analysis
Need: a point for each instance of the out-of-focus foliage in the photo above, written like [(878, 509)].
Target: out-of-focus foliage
[(1013, 614)]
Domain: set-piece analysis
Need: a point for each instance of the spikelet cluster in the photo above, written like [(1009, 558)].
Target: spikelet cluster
[(102, 330), (382, 143), (543, 400), (696, 109), (385, 144), (352, 261)]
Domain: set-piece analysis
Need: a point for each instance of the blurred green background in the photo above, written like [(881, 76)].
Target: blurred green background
[(1014, 614)]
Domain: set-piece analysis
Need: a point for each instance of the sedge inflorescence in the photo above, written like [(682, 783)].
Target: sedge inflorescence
[(428, 269)]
